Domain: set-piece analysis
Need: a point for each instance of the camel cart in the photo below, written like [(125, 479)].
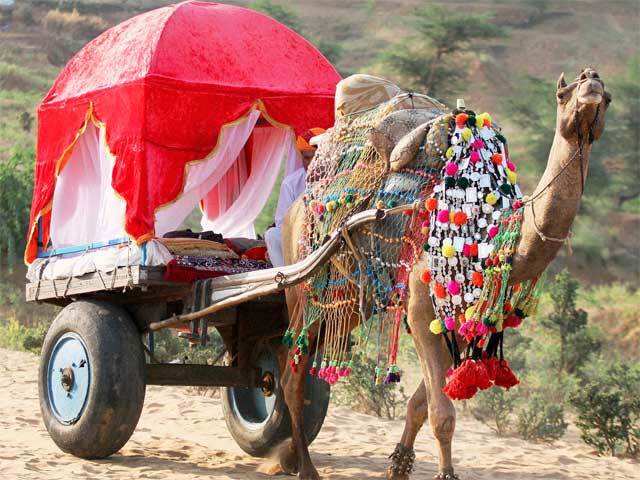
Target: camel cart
[(190, 105)]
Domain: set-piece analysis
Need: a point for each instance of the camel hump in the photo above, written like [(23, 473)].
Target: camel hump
[(392, 128)]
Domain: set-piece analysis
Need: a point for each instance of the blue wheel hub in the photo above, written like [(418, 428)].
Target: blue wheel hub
[(251, 405), (68, 378)]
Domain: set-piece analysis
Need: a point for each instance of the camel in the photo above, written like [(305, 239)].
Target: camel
[(549, 214)]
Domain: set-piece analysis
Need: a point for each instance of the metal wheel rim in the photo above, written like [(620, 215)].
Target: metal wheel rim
[(249, 405), (69, 354)]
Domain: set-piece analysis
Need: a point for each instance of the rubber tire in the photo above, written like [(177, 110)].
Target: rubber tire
[(117, 385), (259, 442)]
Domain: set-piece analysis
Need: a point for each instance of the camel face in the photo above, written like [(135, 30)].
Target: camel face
[(582, 105)]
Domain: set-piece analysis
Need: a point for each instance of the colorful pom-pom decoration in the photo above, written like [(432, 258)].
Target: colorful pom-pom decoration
[(461, 119), (443, 216), (448, 251), (468, 313), (459, 218), (450, 323), (450, 153), (439, 291), (436, 327), (453, 287), (491, 198)]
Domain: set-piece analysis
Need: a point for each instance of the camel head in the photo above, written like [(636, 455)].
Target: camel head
[(581, 106)]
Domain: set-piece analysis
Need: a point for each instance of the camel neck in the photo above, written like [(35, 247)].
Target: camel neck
[(556, 200)]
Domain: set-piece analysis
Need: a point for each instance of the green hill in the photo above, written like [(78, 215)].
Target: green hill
[(543, 38)]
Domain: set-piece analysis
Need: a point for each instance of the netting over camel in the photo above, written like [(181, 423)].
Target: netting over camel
[(516, 240)]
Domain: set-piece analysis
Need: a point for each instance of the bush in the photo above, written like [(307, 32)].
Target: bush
[(540, 420), (360, 392), (23, 14), (80, 27), (494, 407), (60, 49), (15, 336), (569, 323), (14, 77), (608, 407), (16, 174), (170, 348)]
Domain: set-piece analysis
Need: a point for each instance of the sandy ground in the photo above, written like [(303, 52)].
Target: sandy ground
[(183, 436)]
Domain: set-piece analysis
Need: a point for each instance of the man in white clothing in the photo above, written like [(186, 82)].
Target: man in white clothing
[(292, 187)]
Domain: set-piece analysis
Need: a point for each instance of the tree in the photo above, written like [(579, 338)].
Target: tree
[(624, 117), (431, 61), (569, 323), (281, 13), (288, 17), (16, 185)]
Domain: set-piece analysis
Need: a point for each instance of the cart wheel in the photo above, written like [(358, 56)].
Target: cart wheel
[(91, 379), (259, 421)]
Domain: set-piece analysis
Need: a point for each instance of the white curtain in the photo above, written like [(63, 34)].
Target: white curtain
[(203, 176), (85, 207), (233, 215)]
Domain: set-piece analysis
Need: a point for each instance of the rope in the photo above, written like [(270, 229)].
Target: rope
[(542, 236)]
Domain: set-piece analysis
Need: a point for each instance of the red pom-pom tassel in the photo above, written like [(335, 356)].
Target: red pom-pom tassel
[(505, 377)]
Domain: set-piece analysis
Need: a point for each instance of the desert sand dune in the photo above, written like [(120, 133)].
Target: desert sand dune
[(183, 436)]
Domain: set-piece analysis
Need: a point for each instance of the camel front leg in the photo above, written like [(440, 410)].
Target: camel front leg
[(403, 456), (434, 361)]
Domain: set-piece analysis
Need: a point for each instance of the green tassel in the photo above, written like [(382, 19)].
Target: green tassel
[(303, 341), (287, 339)]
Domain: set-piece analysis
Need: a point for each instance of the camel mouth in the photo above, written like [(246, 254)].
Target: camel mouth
[(591, 93)]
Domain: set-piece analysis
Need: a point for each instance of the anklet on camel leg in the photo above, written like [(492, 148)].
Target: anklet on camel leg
[(446, 476), (402, 460)]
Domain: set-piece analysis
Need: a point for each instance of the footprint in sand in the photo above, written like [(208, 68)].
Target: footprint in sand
[(30, 421)]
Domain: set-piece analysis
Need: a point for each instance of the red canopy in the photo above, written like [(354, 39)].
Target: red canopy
[(163, 84)]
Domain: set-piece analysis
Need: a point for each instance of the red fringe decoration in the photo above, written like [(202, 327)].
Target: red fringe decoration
[(465, 380), (505, 377), (491, 365), (482, 380)]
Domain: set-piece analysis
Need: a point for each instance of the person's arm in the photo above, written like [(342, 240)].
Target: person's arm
[(285, 200)]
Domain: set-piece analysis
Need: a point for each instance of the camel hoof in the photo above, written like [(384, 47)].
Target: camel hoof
[(309, 474), (287, 459), (446, 476), (391, 475)]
